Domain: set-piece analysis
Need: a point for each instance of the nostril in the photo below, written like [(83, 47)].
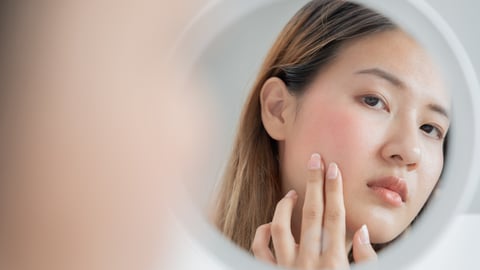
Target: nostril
[(396, 157), (412, 166)]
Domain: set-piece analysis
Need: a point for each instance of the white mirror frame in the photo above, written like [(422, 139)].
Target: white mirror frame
[(461, 172)]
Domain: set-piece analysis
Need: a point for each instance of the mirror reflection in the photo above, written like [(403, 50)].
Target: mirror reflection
[(340, 143)]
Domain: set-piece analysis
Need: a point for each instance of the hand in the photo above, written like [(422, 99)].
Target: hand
[(322, 242)]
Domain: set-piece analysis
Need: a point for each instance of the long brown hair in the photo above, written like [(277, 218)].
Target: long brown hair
[(310, 41)]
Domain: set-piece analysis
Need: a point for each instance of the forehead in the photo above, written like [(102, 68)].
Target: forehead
[(400, 55)]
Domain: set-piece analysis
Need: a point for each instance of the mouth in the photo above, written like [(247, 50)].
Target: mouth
[(391, 189)]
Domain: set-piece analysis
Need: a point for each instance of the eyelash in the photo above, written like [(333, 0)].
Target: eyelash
[(368, 100), (439, 134), (377, 99)]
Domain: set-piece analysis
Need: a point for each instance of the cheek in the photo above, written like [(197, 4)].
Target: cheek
[(429, 175), (341, 135)]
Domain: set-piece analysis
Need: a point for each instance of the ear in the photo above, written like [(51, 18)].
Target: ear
[(276, 103)]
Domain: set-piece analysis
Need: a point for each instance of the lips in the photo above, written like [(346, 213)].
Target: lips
[(391, 189)]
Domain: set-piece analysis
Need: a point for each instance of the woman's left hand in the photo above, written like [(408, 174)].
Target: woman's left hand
[(322, 242)]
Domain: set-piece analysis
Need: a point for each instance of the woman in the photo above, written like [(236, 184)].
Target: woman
[(348, 118)]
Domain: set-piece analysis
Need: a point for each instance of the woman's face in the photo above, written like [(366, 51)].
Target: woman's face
[(380, 111)]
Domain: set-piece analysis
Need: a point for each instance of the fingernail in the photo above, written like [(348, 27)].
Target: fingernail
[(315, 162), (291, 194), (364, 237), (332, 171)]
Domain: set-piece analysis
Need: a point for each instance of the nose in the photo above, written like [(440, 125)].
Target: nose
[(403, 148)]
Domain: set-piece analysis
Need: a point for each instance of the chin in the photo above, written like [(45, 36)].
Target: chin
[(381, 234), (383, 238), (381, 230)]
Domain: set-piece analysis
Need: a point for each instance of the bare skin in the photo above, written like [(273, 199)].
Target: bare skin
[(323, 226)]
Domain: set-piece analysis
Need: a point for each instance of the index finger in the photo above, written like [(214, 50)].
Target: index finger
[(312, 215)]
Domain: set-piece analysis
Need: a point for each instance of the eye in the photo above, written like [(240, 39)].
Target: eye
[(432, 131), (374, 102)]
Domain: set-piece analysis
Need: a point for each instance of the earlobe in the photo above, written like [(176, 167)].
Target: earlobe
[(275, 103)]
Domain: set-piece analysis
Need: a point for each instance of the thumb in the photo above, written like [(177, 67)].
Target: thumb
[(362, 249)]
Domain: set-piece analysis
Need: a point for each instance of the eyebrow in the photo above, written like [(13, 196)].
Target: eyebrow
[(384, 75), (400, 84), (439, 109)]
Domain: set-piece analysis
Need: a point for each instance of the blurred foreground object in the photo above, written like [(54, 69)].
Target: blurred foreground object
[(95, 133)]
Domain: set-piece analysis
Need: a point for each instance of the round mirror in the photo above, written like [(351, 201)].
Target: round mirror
[(226, 46)]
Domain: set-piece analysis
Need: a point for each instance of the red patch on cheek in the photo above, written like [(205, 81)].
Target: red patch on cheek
[(344, 132), (343, 135), (339, 133)]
